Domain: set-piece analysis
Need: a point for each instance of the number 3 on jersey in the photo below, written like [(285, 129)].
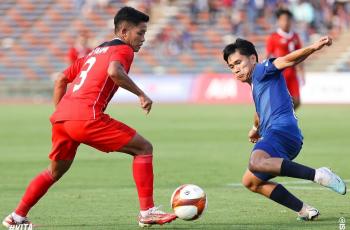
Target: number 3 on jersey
[(83, 74)]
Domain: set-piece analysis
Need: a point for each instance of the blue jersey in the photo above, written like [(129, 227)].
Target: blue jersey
[(272, 100)]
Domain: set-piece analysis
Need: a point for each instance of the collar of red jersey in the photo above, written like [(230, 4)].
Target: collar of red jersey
[(284, 34), (118, 38)]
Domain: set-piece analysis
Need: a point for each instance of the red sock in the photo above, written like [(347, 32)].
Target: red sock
[(35, 190), (143, 176)]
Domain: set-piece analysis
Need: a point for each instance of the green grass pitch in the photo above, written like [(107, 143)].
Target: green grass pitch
[(205, 145)]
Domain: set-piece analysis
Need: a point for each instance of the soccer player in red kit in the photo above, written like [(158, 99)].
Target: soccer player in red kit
[(80, 118), (281, 43), (80, 48)]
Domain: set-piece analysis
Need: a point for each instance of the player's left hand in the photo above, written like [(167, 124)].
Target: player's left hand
[(146, 103), (323, 41)]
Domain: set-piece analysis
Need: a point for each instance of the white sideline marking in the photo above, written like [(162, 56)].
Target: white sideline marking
[(295, 182)]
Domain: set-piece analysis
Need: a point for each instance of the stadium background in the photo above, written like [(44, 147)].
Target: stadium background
[(181, 59), (195, 140)]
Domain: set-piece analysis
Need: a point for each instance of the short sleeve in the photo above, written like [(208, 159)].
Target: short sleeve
[(265, 70), (73, 70), (123, 54)]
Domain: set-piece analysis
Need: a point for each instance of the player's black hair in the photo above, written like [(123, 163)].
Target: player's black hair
[(281, 12), (244, 47), (129, 14)]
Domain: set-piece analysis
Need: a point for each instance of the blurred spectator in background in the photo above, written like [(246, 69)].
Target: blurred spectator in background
[(186, 40), (213, 9), (341, 19), (199, 6), (304, 14), (228, 7), (80, 48), (78, 4), (146, 6), (174, 41), (237, 22), (194, 11), (281, 43), (86, 7)]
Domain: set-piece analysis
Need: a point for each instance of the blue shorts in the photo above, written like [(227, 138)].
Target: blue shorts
[(278, 144)]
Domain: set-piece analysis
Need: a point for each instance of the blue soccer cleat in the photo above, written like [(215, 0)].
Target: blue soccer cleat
[(325, 177)]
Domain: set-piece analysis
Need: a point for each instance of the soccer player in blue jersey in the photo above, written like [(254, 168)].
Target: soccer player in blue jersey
[(275, 131)]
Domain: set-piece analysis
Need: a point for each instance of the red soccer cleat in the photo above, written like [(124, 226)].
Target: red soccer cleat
[(155, 216)]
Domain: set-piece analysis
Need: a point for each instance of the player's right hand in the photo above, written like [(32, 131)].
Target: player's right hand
[(146, 103), (253, 135)]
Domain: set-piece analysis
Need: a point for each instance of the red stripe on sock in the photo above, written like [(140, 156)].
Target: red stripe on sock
[(143, 177), (35, 190)]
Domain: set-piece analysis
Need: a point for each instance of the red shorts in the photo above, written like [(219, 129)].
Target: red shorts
[(292, 84), (105, 134)]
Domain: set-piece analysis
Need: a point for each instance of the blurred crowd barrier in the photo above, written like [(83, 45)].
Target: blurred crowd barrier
[(223, 89)]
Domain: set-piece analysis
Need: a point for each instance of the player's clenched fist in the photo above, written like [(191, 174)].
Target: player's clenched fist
[(146, 103), (323, 41)]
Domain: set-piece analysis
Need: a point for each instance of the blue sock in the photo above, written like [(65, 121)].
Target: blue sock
[(285, 198), (292, 169)]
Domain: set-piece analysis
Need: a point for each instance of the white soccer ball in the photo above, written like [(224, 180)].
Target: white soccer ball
[(188, 202)]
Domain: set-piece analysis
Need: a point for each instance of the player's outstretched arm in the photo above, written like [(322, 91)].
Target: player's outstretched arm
[(300, 55), (117, 73), (60, 88)]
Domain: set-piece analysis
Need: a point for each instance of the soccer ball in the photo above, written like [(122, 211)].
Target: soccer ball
[(188, 202)]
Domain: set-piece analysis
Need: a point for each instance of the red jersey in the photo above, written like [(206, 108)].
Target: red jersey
[(91, 88), (280, 44)]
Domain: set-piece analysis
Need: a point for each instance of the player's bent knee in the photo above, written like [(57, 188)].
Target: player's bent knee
[(56, 175), (59, 168), (246, 182), (146, 148), (250, 185)]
